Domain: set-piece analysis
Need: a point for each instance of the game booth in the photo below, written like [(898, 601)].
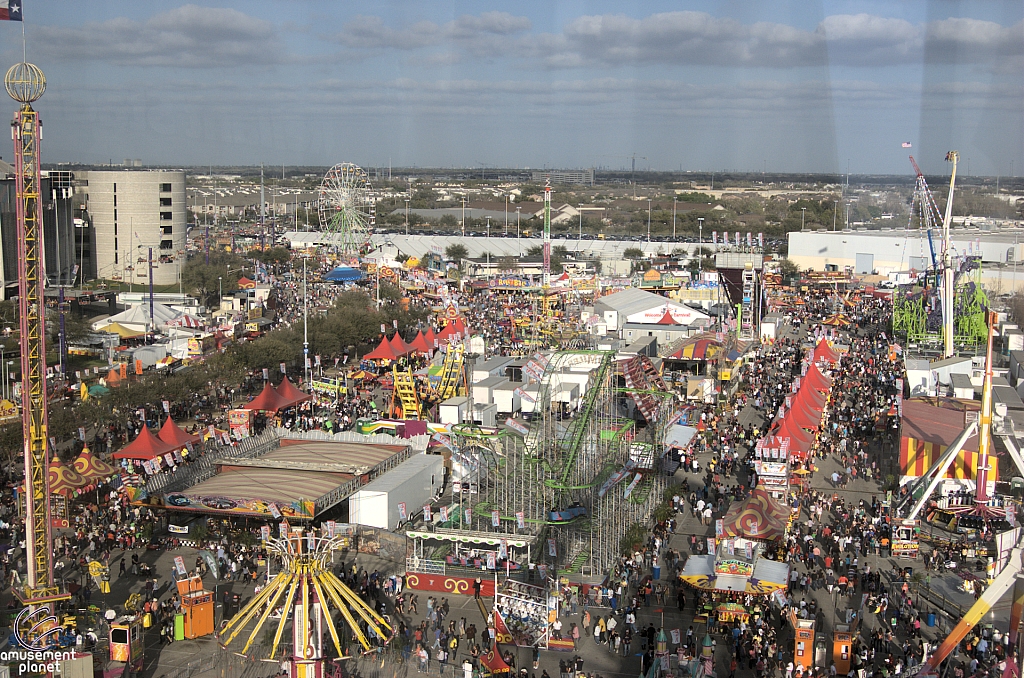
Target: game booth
[(736, 580)]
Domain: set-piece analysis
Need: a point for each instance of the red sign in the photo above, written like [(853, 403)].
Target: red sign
[(448, 584)]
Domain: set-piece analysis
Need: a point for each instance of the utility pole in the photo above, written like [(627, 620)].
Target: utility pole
[(674, 199), (547, 233), (648, 220), (803, 214)]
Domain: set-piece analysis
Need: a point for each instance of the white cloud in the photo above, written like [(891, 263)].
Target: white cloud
[(187, 36), (487, 33), (700, 39)]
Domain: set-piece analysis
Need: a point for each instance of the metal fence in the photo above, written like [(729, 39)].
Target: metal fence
[(205, 467)]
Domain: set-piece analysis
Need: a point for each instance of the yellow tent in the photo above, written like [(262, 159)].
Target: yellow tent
[(85, 391), (121, 331)]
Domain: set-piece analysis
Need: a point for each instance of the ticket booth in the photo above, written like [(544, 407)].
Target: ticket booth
[(196, 607), (803, 648), (842, 643), (127, 646)]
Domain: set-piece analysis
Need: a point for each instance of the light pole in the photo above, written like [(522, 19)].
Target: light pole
[(220, 292), (488, 227), (579, 208), (519, 245), (835, 214), (407, 216), (2, 364), (674, 199), (847, 217), (700, 232), (803, 214), (506, 215), (306, 366), (648, 220)]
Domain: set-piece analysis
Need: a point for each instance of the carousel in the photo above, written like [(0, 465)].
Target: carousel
[(735, 582)]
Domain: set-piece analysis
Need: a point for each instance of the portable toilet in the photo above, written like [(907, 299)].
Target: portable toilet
[(803, 648), (842, 641), (196, 607)]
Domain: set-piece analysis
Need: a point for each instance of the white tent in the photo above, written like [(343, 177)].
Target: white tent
[(137, 317)]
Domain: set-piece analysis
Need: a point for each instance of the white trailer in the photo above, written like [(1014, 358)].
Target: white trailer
[(413, 482)]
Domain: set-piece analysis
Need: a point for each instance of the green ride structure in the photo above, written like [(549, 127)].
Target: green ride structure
[(917, 310), (587, 469)]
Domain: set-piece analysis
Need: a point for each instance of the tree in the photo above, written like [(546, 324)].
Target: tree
[(456, 252), (633, 253), (207, 280), (507, 263), (787, 268)]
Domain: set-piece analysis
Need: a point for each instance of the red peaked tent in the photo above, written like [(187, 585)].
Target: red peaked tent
[(268, 400), (289, 394), (824, 352), (430, 338), (383, 352), (145, 446), (447, 333), (399, 346), (666, 319), (461, 328), (172, 434), (812, 396), (816, 380), (804, 416), (246, 284), (419, 343), (799, 439)]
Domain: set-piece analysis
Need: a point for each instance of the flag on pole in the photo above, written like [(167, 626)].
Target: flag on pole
[(10, 10)]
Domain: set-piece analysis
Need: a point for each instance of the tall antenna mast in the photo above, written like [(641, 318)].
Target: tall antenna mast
[(263, 211)]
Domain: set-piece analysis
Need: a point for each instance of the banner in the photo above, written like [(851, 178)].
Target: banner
[(495, 519), (167, 406), (284, 368), (444, 514), (711, 545), (719, 528), (552, 548), (520, 520), (401, 510), (331, 527), (179, 565), (503, 549), (676, 638), (282, 529), (265, 532), (490, 560), (760, 240), (469, 516), (426, 514), (714, 237)]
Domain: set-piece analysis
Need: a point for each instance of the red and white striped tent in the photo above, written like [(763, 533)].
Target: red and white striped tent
[(187, 321)]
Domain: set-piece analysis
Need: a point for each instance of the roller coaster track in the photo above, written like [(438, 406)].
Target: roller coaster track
[(408, 403), (451, 372), (570, 439)]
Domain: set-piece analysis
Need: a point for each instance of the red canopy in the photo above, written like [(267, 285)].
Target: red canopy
[(804, 416), (145, 446), (824, 352), (172, 434), (666, 319), (399, 346), (446, 333), (460, 328), (268, 400), (431, 338), (814, 398), (799, 439), (816, 380), (289, 394), (383, 352), (419, 343)]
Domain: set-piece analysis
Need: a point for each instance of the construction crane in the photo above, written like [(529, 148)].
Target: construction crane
[(25, 83)]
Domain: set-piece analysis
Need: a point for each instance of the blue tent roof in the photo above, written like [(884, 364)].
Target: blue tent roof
[(344, 274)]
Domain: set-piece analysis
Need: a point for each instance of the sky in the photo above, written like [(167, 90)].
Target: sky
[(781, 86)]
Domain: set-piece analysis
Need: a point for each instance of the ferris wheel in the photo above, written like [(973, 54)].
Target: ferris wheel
[(346, 202)]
